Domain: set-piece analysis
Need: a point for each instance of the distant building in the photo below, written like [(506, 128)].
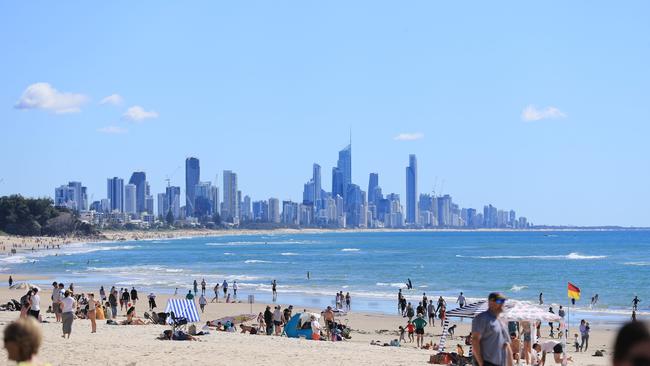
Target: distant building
[(72, 196), (130, 197), (246, 213), (192, 178), (289, 213), (173, 195), (115, 193), (412, 191), (274, 210), (373, 184), (163, 205), (316, 179), (230, 201), (139, 179)]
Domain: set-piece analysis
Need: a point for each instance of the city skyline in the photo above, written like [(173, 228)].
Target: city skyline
[(498, 106)]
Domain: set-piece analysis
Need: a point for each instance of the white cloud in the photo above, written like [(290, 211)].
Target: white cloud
[(532, 113), (137, 113), (409, 136), (44, 96), (114, 99), (114, 130)]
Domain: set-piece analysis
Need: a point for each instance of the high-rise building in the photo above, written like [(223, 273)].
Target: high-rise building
[(115, 193), (444, 211), (246, 214), (173, 195), (203, 196), (230, 203), (373, 184), (139, 179), (274, 210), (316, 178), (290, 213), (163, 205), (130, 199), (412, 191), (192, 178), (72, 196)]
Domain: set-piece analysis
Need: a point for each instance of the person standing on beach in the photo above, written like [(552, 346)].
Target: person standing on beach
[(56, 301), (424, 303), (419, 323), (11, 281), (490, 339), (35, 304), (584, 334), (461, 300), (224, 286), (431, 311), (126, 298), (202, 302), (541, 298), (550, 324), (92, 306), (102, 293), (189, 295), (399, 302), (112, 300), (196, 287), (410, 313), (216, 293), (348, 299), (441, 303), (268, 320), (203, 286), (67, 316), (234, 289), (635, 303), (274, 289), (403, 305), (152, 301), (134, 295)]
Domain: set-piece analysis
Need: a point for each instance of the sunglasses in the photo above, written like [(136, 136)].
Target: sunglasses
[(500, 301)]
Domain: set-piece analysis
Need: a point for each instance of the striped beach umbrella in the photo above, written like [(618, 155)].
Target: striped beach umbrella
[(468, 311), (182, 308)]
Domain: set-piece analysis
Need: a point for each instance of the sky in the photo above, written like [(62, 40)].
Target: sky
[(538, 106)]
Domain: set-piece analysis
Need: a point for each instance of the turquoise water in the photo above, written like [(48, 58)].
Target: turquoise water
[(372, 266)]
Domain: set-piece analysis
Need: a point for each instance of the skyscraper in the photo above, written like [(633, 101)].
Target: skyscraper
[(130, 200), (173, 195), (72, 196), (345, 165), (192, 177), (230, 203), (317, 186), (274, 210), (373, 184), (412, 191), (115, 193), (139, 179)]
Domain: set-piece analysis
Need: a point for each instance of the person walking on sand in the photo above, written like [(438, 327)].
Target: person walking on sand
[(196, 287), (216, 293), (274, 290), (203, 286), (56, 301), (490, 338), (635, 303), (234, 289), (11, 281), (224, 286), (584, 334), (112, 301)]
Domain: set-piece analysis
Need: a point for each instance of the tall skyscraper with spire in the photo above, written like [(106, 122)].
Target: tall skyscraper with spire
[(412, 190), (192, 177)]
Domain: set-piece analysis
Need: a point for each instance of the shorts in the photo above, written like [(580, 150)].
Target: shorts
[(419, 331), (527, 337), (277, 323), (56, 308), (329, 324), (557, 348)]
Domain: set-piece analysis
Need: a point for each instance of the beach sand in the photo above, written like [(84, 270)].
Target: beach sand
[(137, 345)]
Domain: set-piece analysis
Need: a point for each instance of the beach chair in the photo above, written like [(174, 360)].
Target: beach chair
[(181, 312)]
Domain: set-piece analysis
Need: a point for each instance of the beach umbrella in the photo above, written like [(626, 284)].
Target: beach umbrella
[(525, 311), (468, 311), (237, 319)]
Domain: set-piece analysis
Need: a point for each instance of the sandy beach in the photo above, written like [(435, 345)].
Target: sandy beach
[(137, 345)]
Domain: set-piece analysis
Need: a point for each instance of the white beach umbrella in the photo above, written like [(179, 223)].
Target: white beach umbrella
[(525, 311)]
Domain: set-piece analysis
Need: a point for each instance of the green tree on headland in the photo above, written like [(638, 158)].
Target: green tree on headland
[(38, 216)]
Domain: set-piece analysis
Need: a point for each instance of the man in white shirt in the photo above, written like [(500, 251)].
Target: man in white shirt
[(56, 301), (35, 304), (461, 300)]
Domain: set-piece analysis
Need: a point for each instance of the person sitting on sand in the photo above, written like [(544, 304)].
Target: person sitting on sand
[(131, 319), (515, 346), (22, 339), (549, 347)]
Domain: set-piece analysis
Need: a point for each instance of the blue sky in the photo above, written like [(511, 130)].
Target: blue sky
[(542, 107)]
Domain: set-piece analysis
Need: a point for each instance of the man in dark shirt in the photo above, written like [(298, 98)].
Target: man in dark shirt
[(268, 320)]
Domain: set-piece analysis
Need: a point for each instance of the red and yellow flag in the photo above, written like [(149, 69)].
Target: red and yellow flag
[(574, 291)]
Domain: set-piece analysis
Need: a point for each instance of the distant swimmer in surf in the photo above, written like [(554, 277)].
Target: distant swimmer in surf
[(409, 285)]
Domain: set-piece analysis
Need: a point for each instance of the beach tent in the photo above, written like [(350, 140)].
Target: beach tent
[(182, 308), (293, 329)]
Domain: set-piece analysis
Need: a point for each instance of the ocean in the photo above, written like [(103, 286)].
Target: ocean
[(372, 266)]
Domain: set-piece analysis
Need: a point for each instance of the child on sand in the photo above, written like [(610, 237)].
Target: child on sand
[(411, 329), (576, 344), (401, 334)]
